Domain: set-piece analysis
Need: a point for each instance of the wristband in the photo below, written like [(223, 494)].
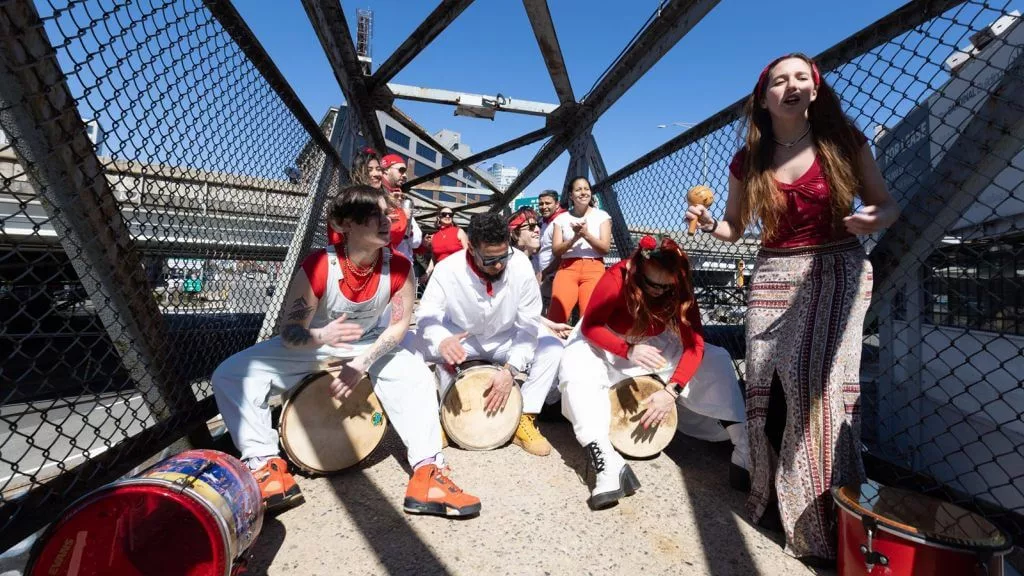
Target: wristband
[(714, 225)]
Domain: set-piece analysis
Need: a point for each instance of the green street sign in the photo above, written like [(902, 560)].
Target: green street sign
[(520, 202)]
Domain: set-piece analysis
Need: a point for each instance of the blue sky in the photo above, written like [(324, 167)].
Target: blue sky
[(490, 48)]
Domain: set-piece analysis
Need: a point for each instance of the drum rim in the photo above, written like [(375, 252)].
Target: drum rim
[(672, 414), (946, 543), (486, 365), (174, 489), (294, 391)]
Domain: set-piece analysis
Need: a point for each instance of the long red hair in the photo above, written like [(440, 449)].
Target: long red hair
[(672, 306)]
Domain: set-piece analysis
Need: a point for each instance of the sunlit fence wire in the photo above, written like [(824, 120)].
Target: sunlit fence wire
[(936, 90), (152, 180)]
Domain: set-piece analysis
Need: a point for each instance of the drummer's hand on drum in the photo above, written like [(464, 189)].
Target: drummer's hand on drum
[(345, 380), (647, 356), (658, 406), (498, 391), (338, 332), (451, 349)]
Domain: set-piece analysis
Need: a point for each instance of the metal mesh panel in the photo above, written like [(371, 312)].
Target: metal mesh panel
[(939, 100), (151, 183)]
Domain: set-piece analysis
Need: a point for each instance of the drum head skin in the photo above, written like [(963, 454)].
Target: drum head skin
[(628, 436), (321, 434), (463, 416), (921, 517), (125, 530)]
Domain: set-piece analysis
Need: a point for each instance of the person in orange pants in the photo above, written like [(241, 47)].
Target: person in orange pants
[(581, 238)]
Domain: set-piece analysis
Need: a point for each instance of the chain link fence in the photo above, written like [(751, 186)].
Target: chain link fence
[(936, 89), (154, 170)]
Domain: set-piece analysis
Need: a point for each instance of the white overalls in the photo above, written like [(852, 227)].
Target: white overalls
[(243, 383)]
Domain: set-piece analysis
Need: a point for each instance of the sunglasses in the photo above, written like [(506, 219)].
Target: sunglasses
[(529, 226), (655, 285), (486, 262), (446, 214), (403, 170)]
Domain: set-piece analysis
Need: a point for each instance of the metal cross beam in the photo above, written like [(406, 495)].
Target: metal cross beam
[(547, 41), (525, 139), (420, 133), (668, 26), (332, 29), (497, 103), (421, 37), (229, 18)]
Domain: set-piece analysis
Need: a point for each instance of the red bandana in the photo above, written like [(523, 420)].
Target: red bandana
[(548, 219), (486, 280)]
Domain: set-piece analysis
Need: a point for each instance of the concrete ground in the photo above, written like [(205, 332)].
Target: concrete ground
[(684, 520)]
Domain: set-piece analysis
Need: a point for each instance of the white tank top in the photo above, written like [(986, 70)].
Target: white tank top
[(367, 314)]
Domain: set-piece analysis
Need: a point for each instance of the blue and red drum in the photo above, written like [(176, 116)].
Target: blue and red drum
[(192, 514), (886, 531)]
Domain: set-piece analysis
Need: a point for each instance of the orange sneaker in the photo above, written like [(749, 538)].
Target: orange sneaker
[(431, 491), (277, 486)]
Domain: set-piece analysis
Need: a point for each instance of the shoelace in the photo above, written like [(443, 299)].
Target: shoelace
[(528, 428), (596, 456), (442, 478)]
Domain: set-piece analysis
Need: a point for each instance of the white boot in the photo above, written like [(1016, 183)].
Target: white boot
[(614, 478), (739, 462)]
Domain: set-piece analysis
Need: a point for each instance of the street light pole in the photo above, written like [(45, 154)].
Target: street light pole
[(703, 144)]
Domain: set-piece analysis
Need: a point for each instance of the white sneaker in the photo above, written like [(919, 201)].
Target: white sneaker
[(614, 478)]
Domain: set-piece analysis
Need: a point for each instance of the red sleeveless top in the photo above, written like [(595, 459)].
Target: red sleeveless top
[(445, 242)]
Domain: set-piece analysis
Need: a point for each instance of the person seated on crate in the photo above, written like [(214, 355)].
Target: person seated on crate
[(484, 303), (333, 310), (524, 234), (643, 319)]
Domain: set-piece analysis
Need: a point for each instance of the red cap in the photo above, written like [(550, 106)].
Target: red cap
[(390, 160), (519, 218)]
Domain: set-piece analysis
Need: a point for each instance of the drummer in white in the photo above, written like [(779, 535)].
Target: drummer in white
[(484, 303), (643, 319), (333, 311)]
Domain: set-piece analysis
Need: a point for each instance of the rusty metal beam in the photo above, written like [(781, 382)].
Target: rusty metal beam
[(422, 134), (550, 50), (39, 114), (906, 18), (421, 37), (666, 27), (525, 139), (332, 29), (232, 22)]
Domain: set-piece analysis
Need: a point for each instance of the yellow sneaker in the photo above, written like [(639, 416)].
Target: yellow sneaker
[(529, 438)]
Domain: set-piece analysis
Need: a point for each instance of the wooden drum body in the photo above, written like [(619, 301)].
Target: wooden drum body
[(628, 436), (321, 434), (463, 415), (886, 531)]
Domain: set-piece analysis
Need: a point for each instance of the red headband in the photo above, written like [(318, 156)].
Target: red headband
[(815, 75), (520, 218), (390, 160), (369, 151)]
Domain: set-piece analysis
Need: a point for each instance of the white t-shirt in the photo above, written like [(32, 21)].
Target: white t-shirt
[(544, 255), (582, 249)]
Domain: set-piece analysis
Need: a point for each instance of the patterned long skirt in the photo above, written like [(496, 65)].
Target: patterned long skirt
[(804, 325)]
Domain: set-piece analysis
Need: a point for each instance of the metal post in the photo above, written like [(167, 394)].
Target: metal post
[(317, 185), (49, 137)]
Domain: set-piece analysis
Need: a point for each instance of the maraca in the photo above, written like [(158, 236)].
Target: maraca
[(702, 195)]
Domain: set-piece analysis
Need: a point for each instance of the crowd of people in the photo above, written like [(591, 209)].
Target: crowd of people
[(504, 290)]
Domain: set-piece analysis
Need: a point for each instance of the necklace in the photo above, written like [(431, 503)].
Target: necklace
[(355, 269), (793, 143)]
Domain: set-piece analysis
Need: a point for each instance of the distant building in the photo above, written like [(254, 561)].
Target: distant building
[(503, 176), (92, 129)]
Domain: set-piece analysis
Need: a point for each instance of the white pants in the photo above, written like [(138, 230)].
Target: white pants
[(243, 384), (587, 372), (540, 378)]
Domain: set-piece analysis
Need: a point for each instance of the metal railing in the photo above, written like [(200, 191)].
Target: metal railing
[(936, 89)]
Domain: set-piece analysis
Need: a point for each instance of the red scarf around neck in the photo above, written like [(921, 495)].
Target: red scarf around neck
[(549, 219), (479, 274)]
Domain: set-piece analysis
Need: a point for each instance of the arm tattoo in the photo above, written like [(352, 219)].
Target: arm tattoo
[(300, 310), (380, 348), (295, 334), (397, 309)]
